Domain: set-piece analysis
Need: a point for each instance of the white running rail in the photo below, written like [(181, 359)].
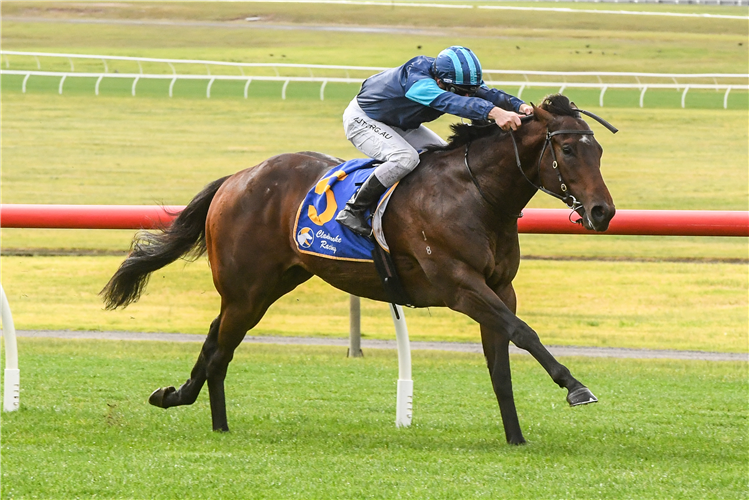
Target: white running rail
[(604, 80), (12, 384), (405, 392)]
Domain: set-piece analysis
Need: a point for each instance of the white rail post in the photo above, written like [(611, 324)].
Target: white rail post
[(600, 97), (283, 90), (171, 86), (642, 96), (98, 82), (725, 98), (62, 80), (404, 397), (322, 90), (684, 96), (247, 86), (135, 82), (12, 385), (208, 90), (26, 79)]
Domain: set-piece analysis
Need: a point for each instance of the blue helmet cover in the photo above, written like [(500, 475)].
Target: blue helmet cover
[(458, 65)]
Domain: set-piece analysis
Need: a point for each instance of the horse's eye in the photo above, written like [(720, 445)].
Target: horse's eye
[(567, 149)]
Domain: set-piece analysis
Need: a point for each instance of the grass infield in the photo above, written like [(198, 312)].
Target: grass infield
[(307, 422), (115, 148), (657, 305)]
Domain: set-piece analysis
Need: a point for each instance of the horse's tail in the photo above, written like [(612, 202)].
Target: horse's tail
[(152, 251)]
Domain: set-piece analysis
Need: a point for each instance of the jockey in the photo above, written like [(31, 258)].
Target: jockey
[(385, 120)]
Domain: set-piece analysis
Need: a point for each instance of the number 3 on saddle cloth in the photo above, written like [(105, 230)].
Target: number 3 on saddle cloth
[(318, 233)]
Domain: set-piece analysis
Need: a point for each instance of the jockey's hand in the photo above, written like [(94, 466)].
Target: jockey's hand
[(526, 109), (506, 120)]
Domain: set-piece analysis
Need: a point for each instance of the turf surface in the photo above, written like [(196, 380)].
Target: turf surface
[(309, 423)]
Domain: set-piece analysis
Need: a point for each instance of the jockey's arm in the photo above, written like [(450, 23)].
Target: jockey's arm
[(429, 93), (505, 104)]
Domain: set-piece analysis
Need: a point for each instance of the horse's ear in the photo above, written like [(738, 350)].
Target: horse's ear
[(542, 115)]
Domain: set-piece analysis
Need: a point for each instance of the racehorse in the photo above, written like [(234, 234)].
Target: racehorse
[(451, 226)]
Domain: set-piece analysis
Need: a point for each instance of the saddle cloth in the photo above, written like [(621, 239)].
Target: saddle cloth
[(316, 230)]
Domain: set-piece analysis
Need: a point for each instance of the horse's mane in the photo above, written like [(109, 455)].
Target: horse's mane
[(464, 133)]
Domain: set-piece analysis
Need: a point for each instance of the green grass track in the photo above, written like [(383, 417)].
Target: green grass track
[(309, 423)]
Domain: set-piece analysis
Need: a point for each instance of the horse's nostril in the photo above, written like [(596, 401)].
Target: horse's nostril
[(598, 213)]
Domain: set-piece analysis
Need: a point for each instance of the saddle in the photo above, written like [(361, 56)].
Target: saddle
[(317, 232)]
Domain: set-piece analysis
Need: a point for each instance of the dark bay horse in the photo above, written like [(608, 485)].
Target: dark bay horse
[(451, 226)]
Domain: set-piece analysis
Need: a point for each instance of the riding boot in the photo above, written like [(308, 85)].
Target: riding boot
[(352, 215)]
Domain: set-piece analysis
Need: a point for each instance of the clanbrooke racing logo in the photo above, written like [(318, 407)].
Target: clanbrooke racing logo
[(305, 237)]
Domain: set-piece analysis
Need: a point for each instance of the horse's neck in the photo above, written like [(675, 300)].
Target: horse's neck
[(498, 173)]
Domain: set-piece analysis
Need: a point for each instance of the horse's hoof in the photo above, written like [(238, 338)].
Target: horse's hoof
[(157, 397), (516, 441), (581, 396)]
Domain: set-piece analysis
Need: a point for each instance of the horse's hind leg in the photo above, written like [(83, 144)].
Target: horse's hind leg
[(224, 336), (166, 397), (226, 333), (240, 312), (236, 320)]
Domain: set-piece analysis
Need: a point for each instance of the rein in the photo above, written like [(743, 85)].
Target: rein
[(475, 181)]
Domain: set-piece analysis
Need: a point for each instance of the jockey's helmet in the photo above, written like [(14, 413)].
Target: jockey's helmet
[(459, 69)]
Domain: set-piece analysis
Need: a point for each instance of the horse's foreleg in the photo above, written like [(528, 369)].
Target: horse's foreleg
[(526, 338), (166, 397), (475, 299), (496, 351)]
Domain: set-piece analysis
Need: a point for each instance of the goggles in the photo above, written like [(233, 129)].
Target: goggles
[(463, 90)]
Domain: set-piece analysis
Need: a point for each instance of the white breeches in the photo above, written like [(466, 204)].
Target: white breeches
[(394, 146)]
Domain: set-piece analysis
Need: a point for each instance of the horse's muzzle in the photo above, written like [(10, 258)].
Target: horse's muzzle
[(598, 217)]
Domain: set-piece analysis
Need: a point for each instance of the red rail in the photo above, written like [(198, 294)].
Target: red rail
[(535, 220), (87, 216)]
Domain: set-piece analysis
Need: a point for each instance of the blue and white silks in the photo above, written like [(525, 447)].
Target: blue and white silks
[(316, 231)]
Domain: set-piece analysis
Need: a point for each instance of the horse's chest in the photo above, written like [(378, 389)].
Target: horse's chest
[(506, 262)]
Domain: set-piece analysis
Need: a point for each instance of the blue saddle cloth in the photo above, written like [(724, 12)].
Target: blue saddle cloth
[(316, 231)]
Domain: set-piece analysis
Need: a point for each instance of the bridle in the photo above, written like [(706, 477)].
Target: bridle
[(567, 197)]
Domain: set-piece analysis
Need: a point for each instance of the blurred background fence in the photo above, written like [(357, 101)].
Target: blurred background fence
[(99, 67)]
